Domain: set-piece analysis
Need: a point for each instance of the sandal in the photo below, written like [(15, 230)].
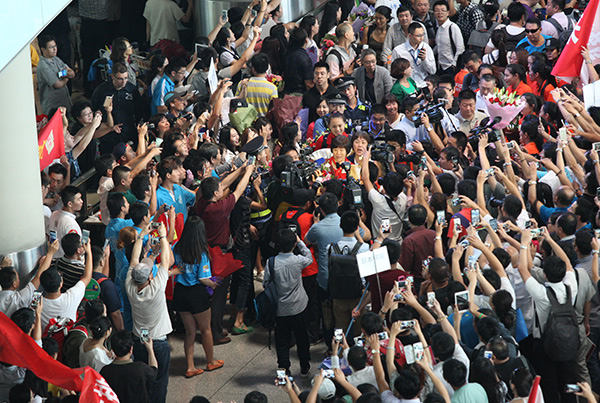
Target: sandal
[(218, 364), (194, 372), (241, 330)]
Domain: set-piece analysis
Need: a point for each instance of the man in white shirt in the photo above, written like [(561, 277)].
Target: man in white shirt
[(64, 305), (487, 83), (555, 16), (560, 275), (391, 204), (63, 221), (146, 295), (398, 33), (449, 42), (11, 298), (418, 53)]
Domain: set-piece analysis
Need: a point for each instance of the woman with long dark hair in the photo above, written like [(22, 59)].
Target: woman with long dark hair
[(121, 50), (374, 34), (191, 298), (482, 371), (310, 25)]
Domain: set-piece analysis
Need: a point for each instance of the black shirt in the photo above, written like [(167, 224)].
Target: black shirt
[(298, 69), (312, 98), (108, 292), (88, 156), (125, 111), (130, 380), (370, 90)]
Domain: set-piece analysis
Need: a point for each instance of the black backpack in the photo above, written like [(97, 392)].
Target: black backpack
[(560, 337), (344, 278), (292, 222), (563, 33), (266, 302), (510, 41)]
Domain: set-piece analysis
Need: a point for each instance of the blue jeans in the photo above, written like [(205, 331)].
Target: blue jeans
[(162, 351)]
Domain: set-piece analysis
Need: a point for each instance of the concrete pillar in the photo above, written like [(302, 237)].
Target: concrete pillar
[(21, 219)]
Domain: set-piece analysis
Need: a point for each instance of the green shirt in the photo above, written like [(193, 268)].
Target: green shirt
[(401, 92), (469, 393)]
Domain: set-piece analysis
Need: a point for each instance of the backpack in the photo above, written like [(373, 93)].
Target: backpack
[(292, 223), (58, 328), (344, 278), (563, 34), (510, 41), (265, 303), (338, 55), (480, 36), (560, 337)]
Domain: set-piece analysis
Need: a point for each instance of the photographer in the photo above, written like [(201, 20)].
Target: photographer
[(410, 107), (390, 205)]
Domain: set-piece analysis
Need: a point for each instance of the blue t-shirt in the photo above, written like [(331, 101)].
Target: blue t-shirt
[(112, 230), (321, 235), (546, 212), (193, 272), (525, 44), (183, 198), (163, 86)]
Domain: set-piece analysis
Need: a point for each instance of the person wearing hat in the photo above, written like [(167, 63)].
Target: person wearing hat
[(337, 103), (146, 294), (175, 103), (552, 50), (356, 110)]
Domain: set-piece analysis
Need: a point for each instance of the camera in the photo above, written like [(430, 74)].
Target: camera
[(298, 175), (383, 152), (433, 111), (496, 202), (414, 158)]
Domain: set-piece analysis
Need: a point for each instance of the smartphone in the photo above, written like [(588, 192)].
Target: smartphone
[(475, 217), (280, 375), (359, 341), (441, 217), (494, 224), (254, 13), (328, 373), (563, 135), (107, 101), (252, 160), (487, 354), (426, 263), (398, 298), (471, 263), (407, 324), (62, 73), (572, 388), (489, 172), (144, 335), (155, 225), (457, 226), (339, 335), (293, 227), (418, 351), (461, 299), (598, 191), (383, 336), (35, 300), (409, 354), (528, 224), (224, 14), (596, 146), (455, 201), (385, 226), (465, 243), (430, 299), (85, 236), (597, 233), (536, 232), (510, 145), (52, 236)]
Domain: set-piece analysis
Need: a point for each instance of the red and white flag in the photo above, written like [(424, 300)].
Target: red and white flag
[(16, 348), (51, 142), (586, 33)]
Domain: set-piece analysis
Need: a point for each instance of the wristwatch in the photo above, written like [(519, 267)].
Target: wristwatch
[(429, 128), (375, 351)]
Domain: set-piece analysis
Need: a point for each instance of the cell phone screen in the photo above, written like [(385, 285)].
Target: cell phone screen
[(461, 299)]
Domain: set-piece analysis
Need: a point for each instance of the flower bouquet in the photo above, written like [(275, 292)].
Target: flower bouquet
[(328, 41), (276, 80), (506, 106), (359, 15)]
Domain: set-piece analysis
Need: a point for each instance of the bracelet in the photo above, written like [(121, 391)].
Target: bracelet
[(524, 247), (391, 348), (429, 128), (479, 315), (531, 182), (596, 161), (441, 318), (437, 238), (381, 311), (576, 115), (595, 252), (377, 240), (506, 164)]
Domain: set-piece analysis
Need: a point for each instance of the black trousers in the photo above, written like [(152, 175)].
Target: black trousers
[(313, 310), (241, 280), (555, 375), (285, 326), (217, 304)]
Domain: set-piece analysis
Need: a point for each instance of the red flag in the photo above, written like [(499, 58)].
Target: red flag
[(16, 348), (51, 143), (222, 264), (585, 32)]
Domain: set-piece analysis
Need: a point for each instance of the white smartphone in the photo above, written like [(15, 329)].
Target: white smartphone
[(430, 299), (475, 217), (418, 351), (339, 335), (461, 299), (385, 226), (409, 354), (441, 217)]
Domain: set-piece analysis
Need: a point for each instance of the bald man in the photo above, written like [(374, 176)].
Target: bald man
[(563, 198)]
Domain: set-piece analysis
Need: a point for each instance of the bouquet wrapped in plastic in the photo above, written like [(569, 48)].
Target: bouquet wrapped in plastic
[(506, 106)]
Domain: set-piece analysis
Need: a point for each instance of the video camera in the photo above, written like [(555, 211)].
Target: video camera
[(352, 190), (298, 175), (383, 152), (486, 126), (433, 111)]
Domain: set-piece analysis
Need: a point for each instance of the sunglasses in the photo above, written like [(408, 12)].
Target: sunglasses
[(532, 31)]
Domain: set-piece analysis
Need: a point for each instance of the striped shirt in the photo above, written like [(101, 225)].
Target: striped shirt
[(71, 271), (259, 94)]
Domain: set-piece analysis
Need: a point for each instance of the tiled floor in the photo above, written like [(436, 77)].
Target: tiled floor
[(249, 365)]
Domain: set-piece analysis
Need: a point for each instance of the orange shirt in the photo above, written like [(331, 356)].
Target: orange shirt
[(458, 81), (547, 96), (531, 148), (521, 89)]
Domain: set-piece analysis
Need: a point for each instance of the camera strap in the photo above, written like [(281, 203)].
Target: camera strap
[(391, 204)]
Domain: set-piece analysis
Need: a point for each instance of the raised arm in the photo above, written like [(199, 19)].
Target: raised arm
[(87, 272)]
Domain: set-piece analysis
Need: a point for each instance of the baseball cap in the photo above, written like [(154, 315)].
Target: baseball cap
[(327, 389), (170, 96), (141, 272)]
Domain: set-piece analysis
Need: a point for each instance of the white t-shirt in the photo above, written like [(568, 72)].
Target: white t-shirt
[(105, 185), (95, 358), (459, 354), (64, 306), (12, 300), (63, 223), (381, 210), (149, 306), (162, 15)]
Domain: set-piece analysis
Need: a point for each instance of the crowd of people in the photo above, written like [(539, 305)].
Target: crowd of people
[(287, 152)]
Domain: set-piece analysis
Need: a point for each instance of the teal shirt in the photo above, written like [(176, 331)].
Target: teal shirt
[(401, 92), (470, 393)]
